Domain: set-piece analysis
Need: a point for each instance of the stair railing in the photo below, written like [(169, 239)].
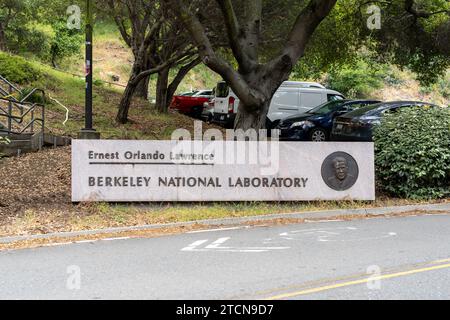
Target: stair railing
[(16, 111), (16, 121)]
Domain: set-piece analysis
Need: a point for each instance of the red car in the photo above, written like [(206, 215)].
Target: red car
[(191, 103)]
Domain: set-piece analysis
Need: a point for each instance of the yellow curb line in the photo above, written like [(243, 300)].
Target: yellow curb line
[(351, 283)]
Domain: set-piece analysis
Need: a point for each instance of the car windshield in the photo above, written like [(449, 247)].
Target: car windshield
[(203, 93), (222, 90), (327, 107), (188, 94), (362, 111)]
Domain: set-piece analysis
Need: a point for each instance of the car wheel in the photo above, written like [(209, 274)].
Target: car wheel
[(318, 135)]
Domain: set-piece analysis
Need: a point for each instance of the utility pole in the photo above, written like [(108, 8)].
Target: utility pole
[(88, 132)]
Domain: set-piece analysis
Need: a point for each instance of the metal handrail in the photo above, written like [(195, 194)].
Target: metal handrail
[(13, 102), (20, 119), (31, 124), (31, 109), (10, 84), (12, 88), (31, 93)]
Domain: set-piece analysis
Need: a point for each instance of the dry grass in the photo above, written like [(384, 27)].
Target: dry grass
[(409, 89)]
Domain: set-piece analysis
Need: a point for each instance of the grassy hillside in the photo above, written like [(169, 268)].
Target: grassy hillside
[(113, 57), (145, 122)]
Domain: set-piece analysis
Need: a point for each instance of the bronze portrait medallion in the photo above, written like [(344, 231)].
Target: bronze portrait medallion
[(340, 171)]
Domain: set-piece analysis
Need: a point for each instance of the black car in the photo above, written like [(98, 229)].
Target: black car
[(358, 125), (316, 124)]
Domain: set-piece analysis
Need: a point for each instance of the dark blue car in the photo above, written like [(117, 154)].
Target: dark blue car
[(358, 125), (316, 124)]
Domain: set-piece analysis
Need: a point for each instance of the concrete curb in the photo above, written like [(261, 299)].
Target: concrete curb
[(235, 221)]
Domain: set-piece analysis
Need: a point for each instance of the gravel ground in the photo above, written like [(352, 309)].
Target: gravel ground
[(35, 180)]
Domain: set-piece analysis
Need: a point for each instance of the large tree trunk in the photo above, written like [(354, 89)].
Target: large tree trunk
[(162, 103), (124, 106), (255, 116), (251, 118), (254, 83), (142, 87), (130, 90)]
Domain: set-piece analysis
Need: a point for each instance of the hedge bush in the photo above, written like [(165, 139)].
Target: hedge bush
[(17, 70), (412, 153)]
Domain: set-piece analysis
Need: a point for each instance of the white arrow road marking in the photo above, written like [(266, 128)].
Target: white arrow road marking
[(194, 245), (388, 235), (331, 234), (216, 246)]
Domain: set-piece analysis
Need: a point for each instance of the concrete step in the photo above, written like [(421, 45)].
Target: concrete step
[(23, 136), (16, 147), (56, 141), (22, 143)]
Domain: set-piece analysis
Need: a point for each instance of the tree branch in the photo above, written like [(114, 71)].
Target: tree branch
[(120, 23), (410, 8), (307, 22), (181, 75), (235, 35), (248, 95), (252, 27)]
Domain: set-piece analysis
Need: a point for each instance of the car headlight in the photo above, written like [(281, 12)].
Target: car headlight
[(301, 124)]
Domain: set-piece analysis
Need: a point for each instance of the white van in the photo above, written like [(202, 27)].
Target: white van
[(291, 98)]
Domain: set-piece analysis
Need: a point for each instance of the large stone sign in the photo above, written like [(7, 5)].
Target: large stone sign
[(126, 171)]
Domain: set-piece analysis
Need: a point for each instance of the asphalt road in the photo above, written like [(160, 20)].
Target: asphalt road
[(395, 258)]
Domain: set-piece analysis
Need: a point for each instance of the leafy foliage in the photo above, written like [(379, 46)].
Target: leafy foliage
[(357, 80), (421, 44), (415, 37), (17, 70), (65, 43), (38, 27), (334, 44), (413, 153)]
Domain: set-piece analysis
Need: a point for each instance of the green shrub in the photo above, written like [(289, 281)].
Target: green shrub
[(358, 80), (412, 153), (17, 70), (65, 43)]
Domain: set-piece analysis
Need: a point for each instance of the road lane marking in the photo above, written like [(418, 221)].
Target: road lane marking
[(85, 241), (115, 239), (335, 234), (57, 244), (323, 221), (216, 246), (194, 245), (218, 229), (442, 261), (356, 282)]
